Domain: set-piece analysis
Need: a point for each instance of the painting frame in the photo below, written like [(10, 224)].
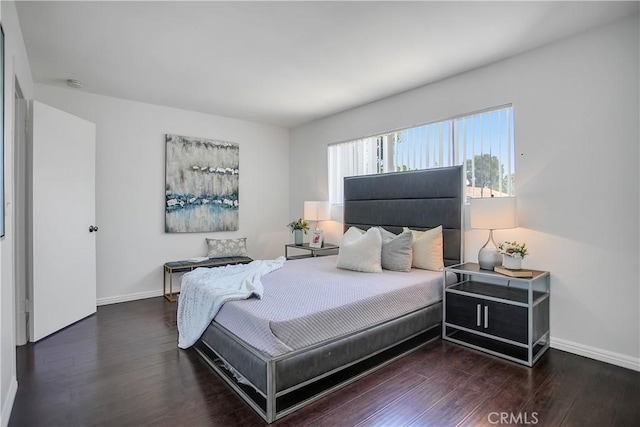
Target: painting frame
[(317, 239), (201, 185)]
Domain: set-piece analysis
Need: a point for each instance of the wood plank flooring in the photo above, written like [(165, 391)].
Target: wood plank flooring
[(121, 367)]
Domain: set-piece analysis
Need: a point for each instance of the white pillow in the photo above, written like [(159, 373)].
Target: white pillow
[(427, 249), (360, 251)]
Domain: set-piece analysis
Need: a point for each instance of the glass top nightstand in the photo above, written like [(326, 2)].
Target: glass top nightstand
[(326, 249)]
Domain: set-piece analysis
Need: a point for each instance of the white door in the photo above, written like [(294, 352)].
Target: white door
[(63, 261)]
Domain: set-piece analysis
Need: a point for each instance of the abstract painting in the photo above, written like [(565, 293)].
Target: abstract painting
[(201, 185)]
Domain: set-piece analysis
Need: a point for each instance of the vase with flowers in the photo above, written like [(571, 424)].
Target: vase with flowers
[(297, 228), (512, 254)]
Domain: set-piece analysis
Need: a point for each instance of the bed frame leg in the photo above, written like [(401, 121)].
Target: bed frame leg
[(271, 392)]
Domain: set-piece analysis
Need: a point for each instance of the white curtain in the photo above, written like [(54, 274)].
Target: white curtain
[(359, 157), (462, 140)]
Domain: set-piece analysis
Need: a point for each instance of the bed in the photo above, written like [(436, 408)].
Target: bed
[(293, 357)]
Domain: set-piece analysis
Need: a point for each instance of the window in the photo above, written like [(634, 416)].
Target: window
[(482, 142)]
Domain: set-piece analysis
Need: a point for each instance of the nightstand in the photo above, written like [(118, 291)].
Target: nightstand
[(326, 249), (498, 314)]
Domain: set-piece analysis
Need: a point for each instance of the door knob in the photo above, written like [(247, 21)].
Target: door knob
[(93, 228)]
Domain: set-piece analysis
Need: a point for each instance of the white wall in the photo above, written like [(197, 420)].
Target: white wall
[(130, 156), (577, 138), (579, 205), (16, 66)]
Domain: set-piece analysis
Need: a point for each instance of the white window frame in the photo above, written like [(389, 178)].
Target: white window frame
[(454, 141)]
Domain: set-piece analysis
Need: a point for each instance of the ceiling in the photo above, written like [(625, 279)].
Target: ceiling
[(284, 63)]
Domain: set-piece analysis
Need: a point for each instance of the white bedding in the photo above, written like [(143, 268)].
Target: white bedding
[(204, 290), (310, 300)]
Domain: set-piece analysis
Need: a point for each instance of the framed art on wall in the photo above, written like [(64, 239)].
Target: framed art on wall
[(201, 185)]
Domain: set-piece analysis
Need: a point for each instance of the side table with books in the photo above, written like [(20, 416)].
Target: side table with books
[(501, 314)]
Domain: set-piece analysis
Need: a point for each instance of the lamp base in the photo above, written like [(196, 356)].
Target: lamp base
[(488, 258)]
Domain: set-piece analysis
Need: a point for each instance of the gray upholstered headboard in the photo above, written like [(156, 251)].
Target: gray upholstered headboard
[(418, 199)]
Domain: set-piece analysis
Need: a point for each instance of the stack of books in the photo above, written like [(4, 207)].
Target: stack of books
[(513, 273)]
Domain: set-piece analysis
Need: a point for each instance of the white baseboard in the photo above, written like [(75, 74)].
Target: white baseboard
[(596, 353), (130, 297), (7, 405)]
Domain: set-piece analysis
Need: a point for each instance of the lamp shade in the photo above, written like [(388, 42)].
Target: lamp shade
[(317, 211), (493, 213)]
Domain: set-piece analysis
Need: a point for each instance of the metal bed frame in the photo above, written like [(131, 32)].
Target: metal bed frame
[(418, 199), (268, 409)]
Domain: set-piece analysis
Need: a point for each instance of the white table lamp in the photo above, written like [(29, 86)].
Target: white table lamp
[(317, 211), (492, 213)]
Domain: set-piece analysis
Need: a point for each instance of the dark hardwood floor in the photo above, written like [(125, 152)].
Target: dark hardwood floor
[(121, 367)]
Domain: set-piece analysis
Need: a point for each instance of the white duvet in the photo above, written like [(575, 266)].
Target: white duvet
[(203, 291)]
